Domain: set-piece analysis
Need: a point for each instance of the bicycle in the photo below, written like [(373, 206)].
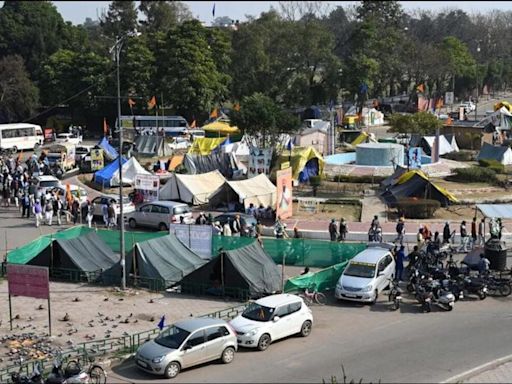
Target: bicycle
[(94, 374), (313, 297)]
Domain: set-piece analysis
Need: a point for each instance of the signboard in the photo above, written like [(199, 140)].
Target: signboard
[(259, 161), (28, 280), (148, 185), (449, 98), (197, 237), (97, 161), (414, 157), (308, 204), (284, 207)]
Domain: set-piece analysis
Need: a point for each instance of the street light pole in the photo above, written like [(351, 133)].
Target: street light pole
[(476, 101)]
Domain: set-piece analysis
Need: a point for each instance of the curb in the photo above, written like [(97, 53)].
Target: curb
[(480, 369)]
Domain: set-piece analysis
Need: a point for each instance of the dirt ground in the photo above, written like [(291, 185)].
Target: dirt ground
[(350, 212), (129, 312)]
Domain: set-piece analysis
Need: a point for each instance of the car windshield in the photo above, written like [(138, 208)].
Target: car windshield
[(181, 209), (358, 269), (258, 312), (172, 337), (49, 183)]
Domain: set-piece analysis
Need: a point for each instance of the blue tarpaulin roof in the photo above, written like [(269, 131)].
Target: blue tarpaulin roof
[(499, 211), (103, 176), (109, 150)]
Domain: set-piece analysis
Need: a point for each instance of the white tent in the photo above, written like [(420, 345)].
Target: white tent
[(444, 145), (192, 189), (256, 190), (131, 168)]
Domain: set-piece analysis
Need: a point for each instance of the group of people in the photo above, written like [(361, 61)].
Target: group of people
[(338, 232)]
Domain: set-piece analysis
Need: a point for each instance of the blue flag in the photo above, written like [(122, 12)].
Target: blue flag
[(290, 145), (161, 323), (225, 142), (213, 10)]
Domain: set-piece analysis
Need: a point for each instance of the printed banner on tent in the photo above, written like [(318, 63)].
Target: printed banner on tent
[(148, 185), (414, 157), (448, 98), (97, 161), (197, 237), (259, 161), (284, 193)]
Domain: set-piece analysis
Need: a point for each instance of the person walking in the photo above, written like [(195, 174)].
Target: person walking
[(333, 230), (447, 234), (59, 208), (216, 228), (25, 206), (278, 229), (104, 212), (400, 231), (48, 211), (399, 263), (481, 232), (226, 229), (75, 210), (237, 226), (259, 228), (463, 237), (111, 214), (419, 238), (343, 230), (473, 233), (38, 212), (90, 213)]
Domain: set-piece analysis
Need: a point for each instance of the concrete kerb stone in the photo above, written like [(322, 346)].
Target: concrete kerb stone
[(478, 370)]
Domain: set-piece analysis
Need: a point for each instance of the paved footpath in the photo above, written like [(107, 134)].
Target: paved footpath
[(499, 374)]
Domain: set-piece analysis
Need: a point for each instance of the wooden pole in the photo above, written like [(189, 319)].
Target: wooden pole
[(222, 271), (49, 316), (10, 311)]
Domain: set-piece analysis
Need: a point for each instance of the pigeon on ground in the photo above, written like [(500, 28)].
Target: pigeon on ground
[(66, 317), (105, 299), (151, 301), (76, 300), (41, 307)]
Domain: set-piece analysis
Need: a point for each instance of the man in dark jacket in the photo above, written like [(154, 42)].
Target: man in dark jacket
[(333, 230), (446, 233)]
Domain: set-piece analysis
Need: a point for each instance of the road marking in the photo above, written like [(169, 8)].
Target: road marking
[(480, 369)]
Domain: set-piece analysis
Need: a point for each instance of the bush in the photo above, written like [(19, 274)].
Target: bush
[(358, 179), (315, 181), (413, 208), (474, 175), (463, 155), (495, 165)]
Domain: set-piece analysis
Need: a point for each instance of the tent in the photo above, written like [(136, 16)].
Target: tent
[(220, 128), (502, 211), (149, 145), (391, 180), (130, 169), (247, 269), (225, 163), (257, 190), (104, 175), (205, 145), (108, 150), (416, 184), (503, 154), (192, 189), (165, 258), (427, 143), (305, 162)]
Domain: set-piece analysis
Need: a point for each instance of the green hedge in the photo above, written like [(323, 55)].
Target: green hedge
[(412, 208), (495, 165), (474, 175), (463, 155), (368, 179)]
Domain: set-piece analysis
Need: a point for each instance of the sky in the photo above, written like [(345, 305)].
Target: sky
[(77, 11)]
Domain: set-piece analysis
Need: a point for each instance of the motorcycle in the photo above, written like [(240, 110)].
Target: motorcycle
[(395, 294), (444, 299), (75, 374), (472, 285)]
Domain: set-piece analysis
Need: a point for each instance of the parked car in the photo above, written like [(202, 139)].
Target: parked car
[(68, 138), (75, 190), (81, 152), (185, 344), (98, 202), (180, 143), (246, 220), (366, 275), (469, 106), (46, 182), (160, 214), (272, 318)]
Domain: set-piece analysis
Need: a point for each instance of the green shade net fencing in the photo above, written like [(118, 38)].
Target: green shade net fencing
[(111, 237), (299, 252), (322, 280)]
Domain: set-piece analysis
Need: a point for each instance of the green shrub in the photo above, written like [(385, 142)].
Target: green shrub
[(495, 165), (474, 175), (358, 179), (315, 180), (463, 155), (413, 208)]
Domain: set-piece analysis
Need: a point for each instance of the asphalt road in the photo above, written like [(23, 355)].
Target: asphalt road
[(372, 343)]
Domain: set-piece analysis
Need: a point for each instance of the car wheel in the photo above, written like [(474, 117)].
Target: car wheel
[(264, 342), (375, 298), (305, 330), (228, 355), (132, 223), (14, 149), (162, 227), (172, 370)]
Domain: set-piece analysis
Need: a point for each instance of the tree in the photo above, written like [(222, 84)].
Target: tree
[(423, 123), (163, 15), (459, 62), (121, 18), (260, 117), (19, 97)]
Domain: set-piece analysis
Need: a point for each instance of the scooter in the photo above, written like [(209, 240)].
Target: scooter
[(395, 294), (444, 299)]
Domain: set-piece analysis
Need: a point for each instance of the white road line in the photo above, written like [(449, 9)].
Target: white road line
[(480, 369)]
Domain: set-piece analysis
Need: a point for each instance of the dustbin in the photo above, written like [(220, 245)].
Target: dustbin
[(496, 251)]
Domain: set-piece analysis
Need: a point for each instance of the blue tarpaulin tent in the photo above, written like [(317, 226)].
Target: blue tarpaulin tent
[(109, 150), (104, 176)]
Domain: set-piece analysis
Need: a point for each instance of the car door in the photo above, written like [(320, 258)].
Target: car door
[(194, 349), (280, 328), (215, 338), (144, 215), (297, 317), (390, 267), (160, 215), (381, 276)]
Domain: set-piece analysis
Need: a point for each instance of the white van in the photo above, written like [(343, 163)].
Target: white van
[(366, 275)]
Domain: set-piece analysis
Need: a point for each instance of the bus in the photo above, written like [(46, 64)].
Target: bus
[(20, 136), (144, 125)]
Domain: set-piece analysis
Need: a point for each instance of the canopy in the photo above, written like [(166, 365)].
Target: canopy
[(103, 177), (360, 139), (166, 258), (221, 128), (205, 145), (305, 162), (257, 190), (503, 154), (225, 163), (391, 180), (192, 189), (108, 150), (149, 145), (248, 268), (130, 169), (416, 184), (499, 211)]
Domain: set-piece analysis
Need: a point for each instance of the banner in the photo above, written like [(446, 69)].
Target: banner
[(148, 185), (28, 281), (284, 193), (197, 237), (414, 157), (448, 98), (259, 161), (97, 161)]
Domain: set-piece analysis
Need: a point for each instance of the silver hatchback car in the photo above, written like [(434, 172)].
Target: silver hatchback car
[(185, 344)]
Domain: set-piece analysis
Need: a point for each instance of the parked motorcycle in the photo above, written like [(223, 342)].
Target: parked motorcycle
[(474, 285), (34, 378), (395, 294), (75, 374), (443, 298)]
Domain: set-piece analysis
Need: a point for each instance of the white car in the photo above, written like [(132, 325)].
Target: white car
[(68, 138), (272, 318), (75, 190), (180, 143), (45, 182), (469, 106), (366, 275), (98, 202)]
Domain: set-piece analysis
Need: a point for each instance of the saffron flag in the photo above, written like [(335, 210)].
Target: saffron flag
[(105, 127), (193, 124), (131, 103), (214, 114), (152, 103), (69, 196), (236, 107)]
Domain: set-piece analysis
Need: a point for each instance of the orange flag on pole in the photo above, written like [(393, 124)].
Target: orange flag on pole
[(131, 103), (214, 114), (236, 107), (105, 127), (69, 196), (152, 103), (193, 124)]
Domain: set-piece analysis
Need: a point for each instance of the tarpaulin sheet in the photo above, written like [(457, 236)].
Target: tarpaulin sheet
[(256, 190), (104, 176), (110, 152), (192, 189), (111, 237), (300, 156), (498, 211), (322, 280), (223, 162), (221, 128), (205, 145)]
